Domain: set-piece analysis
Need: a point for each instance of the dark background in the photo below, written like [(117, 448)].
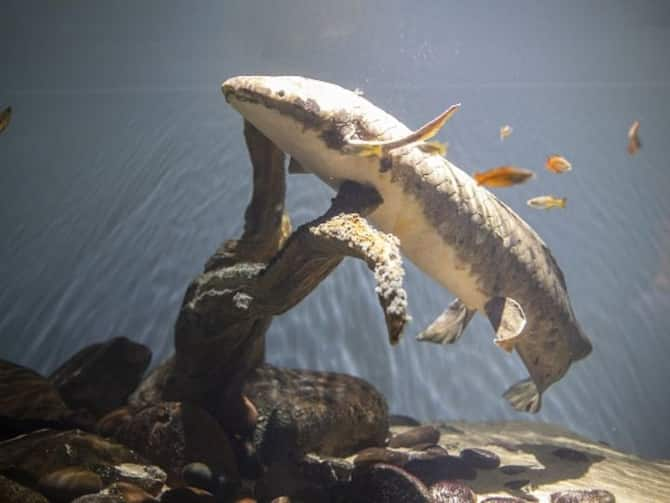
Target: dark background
[(123, 169)]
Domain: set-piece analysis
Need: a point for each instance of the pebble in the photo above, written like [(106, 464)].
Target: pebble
[(480, 458), (373, 455), (187, 494), (517, 484), (66, 484), (583, 496), (503, 499), (415, 436), (383, 483), (401, 420), (430, 471), (451, 492), (513, 469), (570, 454), (199, 475)]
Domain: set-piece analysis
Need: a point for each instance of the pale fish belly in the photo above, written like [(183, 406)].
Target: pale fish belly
[(400, 214)]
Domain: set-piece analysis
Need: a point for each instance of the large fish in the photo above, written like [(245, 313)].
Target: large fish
[(457, 232)]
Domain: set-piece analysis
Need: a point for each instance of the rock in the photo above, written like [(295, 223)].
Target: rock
[(516, 484), (199, 475), (583, 496), (312, 478), (13, 492), (187, 495), (387, 484), (570, 455), (321, 412), (28, 401), (110, 423), (373, 455), (147, 477), (480, 458), (45, 451), (100, 497), (513, 469), (437, 467), (66, 484), (415, 436), (101, 376), (129, 492), (451, 492), (400, 420), (174, 434), (503, 499)]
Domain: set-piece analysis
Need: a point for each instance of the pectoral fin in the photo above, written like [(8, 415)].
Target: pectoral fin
[(524, 396), (508, 320), (371, 148), (295, 168), (449, 326)]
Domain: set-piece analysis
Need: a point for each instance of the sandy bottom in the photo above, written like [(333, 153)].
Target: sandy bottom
[(532, 445)]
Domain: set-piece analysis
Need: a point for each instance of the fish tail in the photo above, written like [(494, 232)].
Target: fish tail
[(524, 396)]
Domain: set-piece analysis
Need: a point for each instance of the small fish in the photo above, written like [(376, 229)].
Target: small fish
[(505, 131), (434, 147), (558, 164), (5, 117), (503, 176), (634, 143), (547, 202)]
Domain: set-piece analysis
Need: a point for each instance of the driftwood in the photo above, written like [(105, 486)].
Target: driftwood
[(219, 334)]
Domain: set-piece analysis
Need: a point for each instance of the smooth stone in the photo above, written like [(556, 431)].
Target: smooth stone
[(415, 436), (130, 493), (28, 401), (41, 452), (174, 434), (13, 492), (452, 492), (199, 475), (149, 478), (101, 376), (443, 467), (583, 496), (66, 484), (503, 499), (383, 483), (513, 469), (373, 455), (100, 498), (570, 454), (516, 484), (480, 458), (187, 494), (402, 420), (109, 424)]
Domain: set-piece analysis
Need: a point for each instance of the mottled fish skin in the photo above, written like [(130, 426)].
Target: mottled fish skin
[(472, 243)]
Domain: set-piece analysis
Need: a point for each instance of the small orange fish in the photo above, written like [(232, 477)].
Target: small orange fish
[(558, 164), (5, 117), (547, 202), (634, 143), (505, 131), (503, 176)]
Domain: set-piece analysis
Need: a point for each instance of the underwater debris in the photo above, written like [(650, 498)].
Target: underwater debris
[(547, 202), (503, 176), (558, 164)]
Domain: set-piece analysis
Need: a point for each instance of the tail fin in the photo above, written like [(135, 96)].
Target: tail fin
[(524, 396)]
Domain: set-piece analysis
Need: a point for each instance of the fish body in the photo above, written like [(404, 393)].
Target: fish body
[(457, 232), (558, 164), (547, 202), (5, 117), (503, 176)]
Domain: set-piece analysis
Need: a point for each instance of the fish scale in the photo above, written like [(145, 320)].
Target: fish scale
[(457, 232)]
